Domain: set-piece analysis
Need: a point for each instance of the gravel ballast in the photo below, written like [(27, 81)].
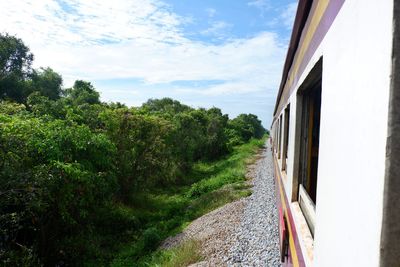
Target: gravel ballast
[(244, 232), (257, 238)]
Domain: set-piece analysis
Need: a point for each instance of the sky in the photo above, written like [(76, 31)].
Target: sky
[(204, 53)]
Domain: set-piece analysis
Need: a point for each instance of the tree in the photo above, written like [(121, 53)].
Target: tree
[(54, 176), (216, 137), (246, 126), (83, 92), (47, 82), (143, 155), (15, 67), (165, 105), (188, 139)]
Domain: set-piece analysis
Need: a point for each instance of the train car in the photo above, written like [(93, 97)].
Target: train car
[(336, 136)]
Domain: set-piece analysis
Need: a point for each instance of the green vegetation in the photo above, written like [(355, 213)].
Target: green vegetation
[(175, 208), (86, 183), (181, 256)]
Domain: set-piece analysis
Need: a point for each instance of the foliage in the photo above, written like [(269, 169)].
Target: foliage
[(11, 108), (15, 67), (53, 176), (244, 127), (234, 170), (189, 208), (165, 106), (82, 92), (47, 82), (143, 155), (151, 239), (181, 256), (82, 181)]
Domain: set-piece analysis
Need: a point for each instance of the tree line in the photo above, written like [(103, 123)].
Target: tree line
[(66, 156)]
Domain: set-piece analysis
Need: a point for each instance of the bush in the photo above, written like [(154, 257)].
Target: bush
[(151, 238), (53, 178), (245, 127)]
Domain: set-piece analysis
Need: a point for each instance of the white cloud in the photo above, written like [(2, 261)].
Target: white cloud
[(140, 39), (218, 29), (211, 12), (288, 15), (263, 5)]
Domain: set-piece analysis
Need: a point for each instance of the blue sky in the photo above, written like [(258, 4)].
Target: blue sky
[(224, 53)]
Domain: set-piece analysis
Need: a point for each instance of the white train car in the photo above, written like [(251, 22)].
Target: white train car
[(336, 136)]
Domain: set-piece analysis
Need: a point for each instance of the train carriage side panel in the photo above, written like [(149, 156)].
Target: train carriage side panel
[(355, 57), (354, 112)]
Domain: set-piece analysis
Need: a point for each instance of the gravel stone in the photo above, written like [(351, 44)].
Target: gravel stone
[(257, 238)]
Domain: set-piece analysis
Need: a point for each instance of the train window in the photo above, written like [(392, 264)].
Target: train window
[(276, 137), (280, 137), (286, 137), (309, 151)]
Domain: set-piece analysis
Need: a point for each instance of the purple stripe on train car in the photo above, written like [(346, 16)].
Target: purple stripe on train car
[(303, 35), (299, 252), (322, 29), (303, 10)]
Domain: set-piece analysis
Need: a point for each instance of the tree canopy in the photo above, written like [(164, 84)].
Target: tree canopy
[(15, 67)]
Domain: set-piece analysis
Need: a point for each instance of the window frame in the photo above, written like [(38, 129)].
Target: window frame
[(299, 194), (286, 137)]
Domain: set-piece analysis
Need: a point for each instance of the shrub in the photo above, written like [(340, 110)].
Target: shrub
[(53, 178), (151, 238)]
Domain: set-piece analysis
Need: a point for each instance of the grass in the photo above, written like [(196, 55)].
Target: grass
[(180, 256), (163, 213)]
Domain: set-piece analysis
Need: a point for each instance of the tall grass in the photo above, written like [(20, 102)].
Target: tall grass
[(183, 255)]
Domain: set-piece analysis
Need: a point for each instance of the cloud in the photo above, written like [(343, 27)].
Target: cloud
[(288, 15), (211, 12), (219, 29), (262, 5), (140, 39), (90, 22)]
